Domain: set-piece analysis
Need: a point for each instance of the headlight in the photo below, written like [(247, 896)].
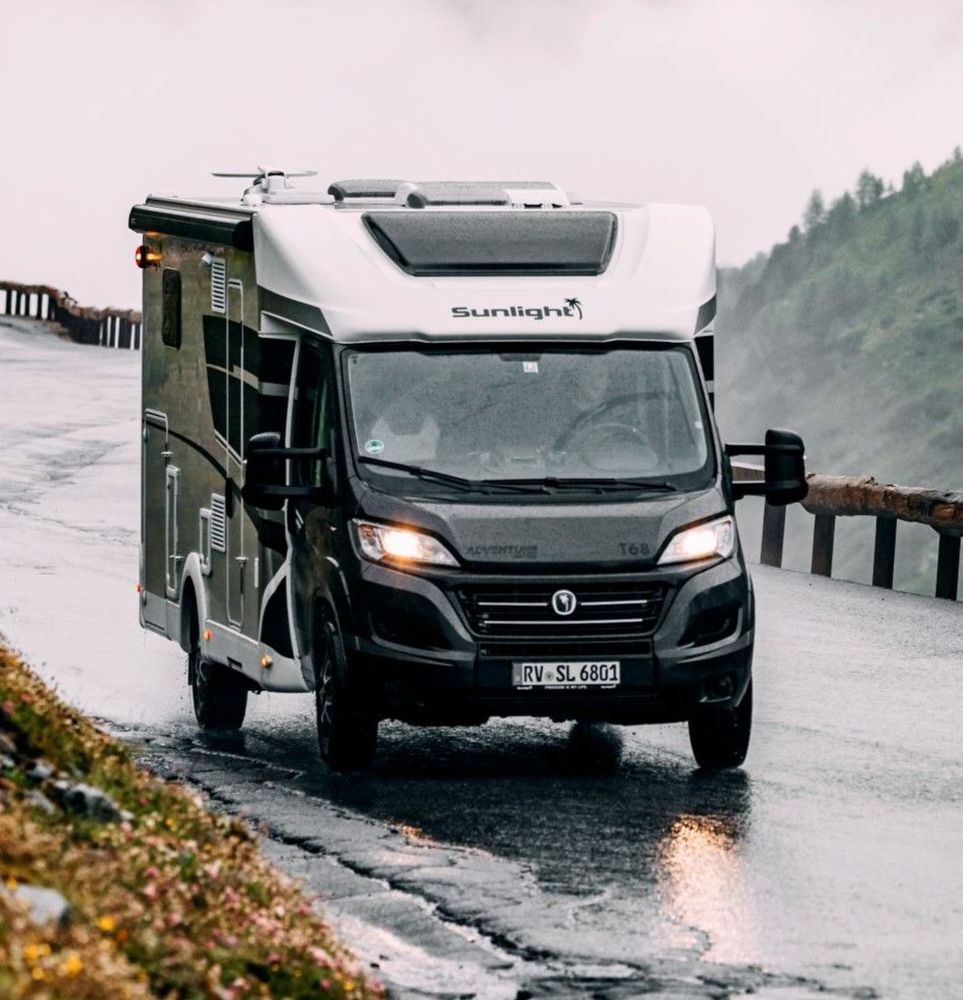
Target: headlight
[(701, 541), (380, 541)]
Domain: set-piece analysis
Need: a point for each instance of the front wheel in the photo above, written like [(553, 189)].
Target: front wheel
[(219, 694), (720, 736), (347, 730)]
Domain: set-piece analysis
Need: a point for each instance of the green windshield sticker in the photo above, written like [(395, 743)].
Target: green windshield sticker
[(374, 446)]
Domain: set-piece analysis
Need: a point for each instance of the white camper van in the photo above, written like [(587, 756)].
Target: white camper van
[(443, 451)]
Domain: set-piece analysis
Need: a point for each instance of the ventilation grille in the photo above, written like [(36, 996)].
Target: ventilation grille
[(218, 524), (218, 285)]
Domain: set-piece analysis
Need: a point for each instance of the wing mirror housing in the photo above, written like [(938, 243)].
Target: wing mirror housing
[(784, 481), (264, 476)]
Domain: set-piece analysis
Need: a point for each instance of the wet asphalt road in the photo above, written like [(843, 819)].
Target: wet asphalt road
[(833, 860)]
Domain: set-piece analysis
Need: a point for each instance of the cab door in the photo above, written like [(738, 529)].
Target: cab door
[(310, 425)]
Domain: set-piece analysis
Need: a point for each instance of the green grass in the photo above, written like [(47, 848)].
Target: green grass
[(177, 901)]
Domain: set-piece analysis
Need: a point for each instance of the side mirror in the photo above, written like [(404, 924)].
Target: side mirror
[(264, 471), (264, 484), (785, 468)]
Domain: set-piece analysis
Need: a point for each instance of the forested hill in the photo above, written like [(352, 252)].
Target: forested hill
[(851, 332)]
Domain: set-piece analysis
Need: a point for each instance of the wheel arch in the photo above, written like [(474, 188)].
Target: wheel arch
[(193, 593)]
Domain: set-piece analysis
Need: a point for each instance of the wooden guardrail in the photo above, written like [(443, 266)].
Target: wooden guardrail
[(862, 496), (120, 328)]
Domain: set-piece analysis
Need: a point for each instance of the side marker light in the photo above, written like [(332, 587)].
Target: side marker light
[(145, 256)]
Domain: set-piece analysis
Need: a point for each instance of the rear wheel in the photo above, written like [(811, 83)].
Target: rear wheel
[(219, 694), (347, 730), (720, 736)]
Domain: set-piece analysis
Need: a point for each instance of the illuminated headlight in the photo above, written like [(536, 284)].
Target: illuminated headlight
[(701, 541), (380, 541)]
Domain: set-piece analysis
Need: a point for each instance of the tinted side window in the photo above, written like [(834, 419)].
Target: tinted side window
[(311, 426), (171, 308)]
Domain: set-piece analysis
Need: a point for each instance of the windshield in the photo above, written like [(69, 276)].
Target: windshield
[(556, 415)]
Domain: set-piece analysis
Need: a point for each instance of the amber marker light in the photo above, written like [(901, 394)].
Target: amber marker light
[(266, 661), (145, 256), (208, 635), (137, 588)]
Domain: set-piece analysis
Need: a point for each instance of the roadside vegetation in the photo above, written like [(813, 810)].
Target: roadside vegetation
[(162, 897), (851, 331)]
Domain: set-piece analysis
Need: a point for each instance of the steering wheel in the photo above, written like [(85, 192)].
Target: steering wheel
[(589, 441), (578, 425)]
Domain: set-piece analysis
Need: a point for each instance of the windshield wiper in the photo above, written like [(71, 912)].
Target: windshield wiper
[(601, 483), (443, 478)]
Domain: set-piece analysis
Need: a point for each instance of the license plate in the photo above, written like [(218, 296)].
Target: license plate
[(578, 674)]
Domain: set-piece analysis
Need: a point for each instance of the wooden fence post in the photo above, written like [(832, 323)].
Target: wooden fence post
[(824, 533), (948, 566), (884, 552), (773, 535)]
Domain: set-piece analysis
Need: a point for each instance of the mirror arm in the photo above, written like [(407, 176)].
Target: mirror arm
[(744, 449), (762, 449), (290, 452), (748, 488)]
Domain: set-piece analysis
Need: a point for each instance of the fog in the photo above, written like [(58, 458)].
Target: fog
[(745, 106)]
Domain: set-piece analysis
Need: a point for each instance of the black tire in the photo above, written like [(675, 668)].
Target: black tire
[(720, 736), (347, 730), (218, 693)]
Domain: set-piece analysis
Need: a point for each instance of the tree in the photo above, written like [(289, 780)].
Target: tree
[(869, 190), (957, 154), (795, 235), (815, 213), (914, 180), (842, 213)]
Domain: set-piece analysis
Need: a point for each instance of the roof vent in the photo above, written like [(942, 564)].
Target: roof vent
[(342, 190), (450, 193), (532, 197), (495, 243), (430, 194)]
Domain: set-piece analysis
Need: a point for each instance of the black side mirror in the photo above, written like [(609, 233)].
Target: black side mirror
[(264, 471), (264, 484), (785, 468)]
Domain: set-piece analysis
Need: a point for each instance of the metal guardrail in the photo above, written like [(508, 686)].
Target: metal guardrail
[(120, 328), (862, 496)]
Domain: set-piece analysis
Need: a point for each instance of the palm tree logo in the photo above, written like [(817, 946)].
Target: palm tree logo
[(574, 304)]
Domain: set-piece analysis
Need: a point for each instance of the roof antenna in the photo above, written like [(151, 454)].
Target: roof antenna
[(267, 180)]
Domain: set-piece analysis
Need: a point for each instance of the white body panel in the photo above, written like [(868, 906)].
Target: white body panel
[(661, 272)]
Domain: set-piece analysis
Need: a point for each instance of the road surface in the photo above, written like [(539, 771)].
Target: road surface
[(512, 860)]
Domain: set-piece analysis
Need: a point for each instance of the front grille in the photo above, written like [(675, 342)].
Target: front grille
[(616, 609)]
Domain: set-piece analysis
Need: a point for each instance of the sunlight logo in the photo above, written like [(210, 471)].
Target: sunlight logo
[(571, 308)]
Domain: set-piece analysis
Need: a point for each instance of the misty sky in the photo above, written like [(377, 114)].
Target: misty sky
[(744, 105)]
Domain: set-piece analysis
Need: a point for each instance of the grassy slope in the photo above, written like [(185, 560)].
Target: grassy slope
[(175, 902), (853, 335)]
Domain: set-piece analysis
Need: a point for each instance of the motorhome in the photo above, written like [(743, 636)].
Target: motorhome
[(439, 452)]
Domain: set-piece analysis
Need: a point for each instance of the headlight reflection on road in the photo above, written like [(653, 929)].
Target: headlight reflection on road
[(700, 873)]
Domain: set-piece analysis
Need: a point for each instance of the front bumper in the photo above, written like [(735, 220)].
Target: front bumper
[(424, 663)]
